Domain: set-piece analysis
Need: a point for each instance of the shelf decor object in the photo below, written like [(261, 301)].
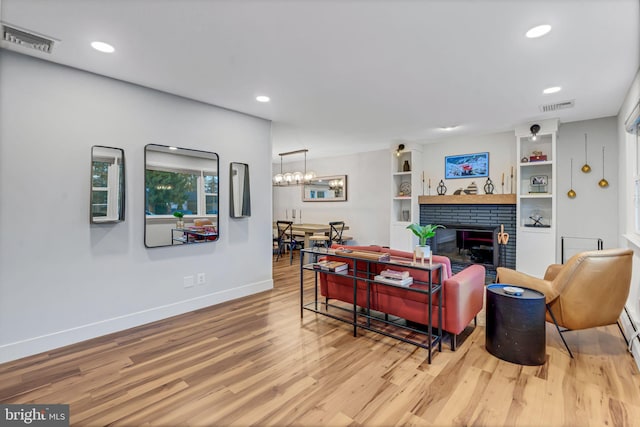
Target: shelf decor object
[(538, 184), (442, 189), (585, 168), (571, 193), (603, 183), (489, 187)]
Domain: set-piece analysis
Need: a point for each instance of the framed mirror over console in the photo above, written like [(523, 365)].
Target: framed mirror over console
[(107, 185), (325, 189), (181, 196)]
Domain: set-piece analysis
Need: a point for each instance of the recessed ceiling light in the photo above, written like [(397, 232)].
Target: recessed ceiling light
[(262, 98), (538, 31), (102, 47), (553, 89), (448, 128), (173, 148)]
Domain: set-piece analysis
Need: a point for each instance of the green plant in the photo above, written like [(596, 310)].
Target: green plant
[(178, 214), (424, 232)]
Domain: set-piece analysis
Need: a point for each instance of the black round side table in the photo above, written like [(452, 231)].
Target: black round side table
[(516, 329)]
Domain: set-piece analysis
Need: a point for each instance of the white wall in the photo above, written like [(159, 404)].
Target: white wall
[(592, 213), (366, 210), (63, 280), (502, 155)]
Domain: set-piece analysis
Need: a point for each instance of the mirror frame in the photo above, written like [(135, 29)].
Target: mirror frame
[(120, 185), (342, 198), (245, 199), (203, 234)]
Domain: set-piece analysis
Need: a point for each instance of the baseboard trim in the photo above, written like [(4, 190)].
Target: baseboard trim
[(630, 327), (35, 345)]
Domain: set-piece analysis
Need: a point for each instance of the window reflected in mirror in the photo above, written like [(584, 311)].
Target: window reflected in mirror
[(181, 196), (107, 185), (325, 189), (240, 192)]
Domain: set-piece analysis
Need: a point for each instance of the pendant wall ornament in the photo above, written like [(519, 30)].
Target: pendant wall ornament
[(571, 193), (603, 183), (585, 168)]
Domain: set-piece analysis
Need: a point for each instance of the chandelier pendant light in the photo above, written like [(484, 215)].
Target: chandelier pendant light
[(293, 178), (585, 168), (603, 183), (571, 193)]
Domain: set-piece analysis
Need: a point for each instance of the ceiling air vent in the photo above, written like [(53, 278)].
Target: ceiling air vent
[(26, 39), (557, 106)]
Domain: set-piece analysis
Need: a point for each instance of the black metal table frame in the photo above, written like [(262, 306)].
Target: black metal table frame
[(432, 339)]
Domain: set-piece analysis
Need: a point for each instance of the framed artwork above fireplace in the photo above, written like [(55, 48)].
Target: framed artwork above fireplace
[(466, 166)]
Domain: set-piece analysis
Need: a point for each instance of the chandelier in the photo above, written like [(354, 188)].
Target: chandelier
[(293, 178)]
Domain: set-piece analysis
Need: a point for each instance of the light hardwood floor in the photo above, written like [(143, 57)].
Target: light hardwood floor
[(253, 361)]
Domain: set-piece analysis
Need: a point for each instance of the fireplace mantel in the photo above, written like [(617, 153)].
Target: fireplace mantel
[(469, 199)]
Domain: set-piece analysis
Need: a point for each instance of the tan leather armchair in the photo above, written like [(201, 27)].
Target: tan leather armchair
[(590, 290)]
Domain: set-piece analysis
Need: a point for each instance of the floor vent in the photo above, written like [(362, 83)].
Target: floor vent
[(557, 106), (26, 39)]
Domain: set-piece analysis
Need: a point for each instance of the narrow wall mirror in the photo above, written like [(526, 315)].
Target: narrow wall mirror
[(107, 185), (181, 196), (325, 189), (239, 192)]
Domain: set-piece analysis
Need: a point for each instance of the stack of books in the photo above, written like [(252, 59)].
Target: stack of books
[(393, 277), (334, 266)]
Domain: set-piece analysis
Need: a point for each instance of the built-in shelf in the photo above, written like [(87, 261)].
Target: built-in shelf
[(469, 199), (536, 196), (540, 163)]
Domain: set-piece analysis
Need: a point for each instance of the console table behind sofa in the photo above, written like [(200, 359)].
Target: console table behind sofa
[(462, 293), (358, 287)]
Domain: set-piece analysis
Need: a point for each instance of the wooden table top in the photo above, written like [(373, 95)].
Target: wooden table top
[(312, 228)]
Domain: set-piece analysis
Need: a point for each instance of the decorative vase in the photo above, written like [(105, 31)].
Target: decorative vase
[(406, 167), (180, 223), (421, 252)]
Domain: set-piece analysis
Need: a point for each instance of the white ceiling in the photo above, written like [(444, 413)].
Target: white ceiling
[(356, 75)]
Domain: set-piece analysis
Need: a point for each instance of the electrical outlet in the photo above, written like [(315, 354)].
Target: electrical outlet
[(188, 281), (201, 278)]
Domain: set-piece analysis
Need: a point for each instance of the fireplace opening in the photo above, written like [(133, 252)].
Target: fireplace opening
[(467, 244)]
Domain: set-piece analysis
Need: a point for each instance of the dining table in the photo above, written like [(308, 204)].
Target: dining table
[(307, 230)]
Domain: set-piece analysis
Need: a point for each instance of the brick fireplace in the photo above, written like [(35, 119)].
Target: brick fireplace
[(472, 222)]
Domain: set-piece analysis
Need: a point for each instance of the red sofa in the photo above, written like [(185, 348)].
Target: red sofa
[(462, 297)]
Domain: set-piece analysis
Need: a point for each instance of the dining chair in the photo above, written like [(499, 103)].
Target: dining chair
[(319, 239), (285, 239), (335, 233)]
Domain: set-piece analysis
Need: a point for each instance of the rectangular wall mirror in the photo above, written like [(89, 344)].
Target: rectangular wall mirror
[(325, 189), (181, 196), (240, 192), (107, 185)]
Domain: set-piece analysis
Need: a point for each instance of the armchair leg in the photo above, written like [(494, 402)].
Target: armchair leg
[(622, 333), (559, 331), (454, 342)]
